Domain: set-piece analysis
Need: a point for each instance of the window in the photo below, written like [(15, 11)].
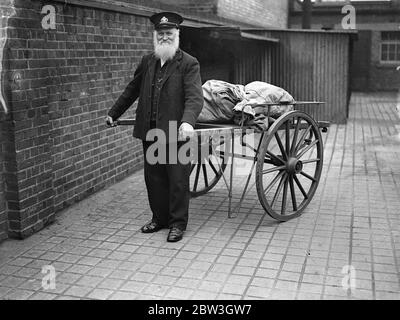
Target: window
[(390, 46)]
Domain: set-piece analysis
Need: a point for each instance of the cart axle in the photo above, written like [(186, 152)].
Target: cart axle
[(294, 166)]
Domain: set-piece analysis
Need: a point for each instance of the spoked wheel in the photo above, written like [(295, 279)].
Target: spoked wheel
[(208, 169), (289, 165)]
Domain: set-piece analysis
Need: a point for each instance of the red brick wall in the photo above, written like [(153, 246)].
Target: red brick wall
[(263, 13), (66, 80)]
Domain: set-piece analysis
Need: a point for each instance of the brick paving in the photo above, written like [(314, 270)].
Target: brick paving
[(98, 252)]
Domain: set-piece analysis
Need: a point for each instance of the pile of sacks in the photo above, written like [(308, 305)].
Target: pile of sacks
[(244, 105)]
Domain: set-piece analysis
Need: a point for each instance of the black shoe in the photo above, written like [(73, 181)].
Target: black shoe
[(175, 234), (151, 227)]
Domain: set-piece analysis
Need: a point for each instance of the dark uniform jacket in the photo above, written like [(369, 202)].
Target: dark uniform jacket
[(180, 99)]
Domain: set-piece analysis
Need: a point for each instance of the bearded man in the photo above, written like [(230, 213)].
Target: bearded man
[(168, 85)]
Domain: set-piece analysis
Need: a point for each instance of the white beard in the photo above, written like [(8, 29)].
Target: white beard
[(166, 51)]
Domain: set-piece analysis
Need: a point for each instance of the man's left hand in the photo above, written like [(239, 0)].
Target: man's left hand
[(185, 131)]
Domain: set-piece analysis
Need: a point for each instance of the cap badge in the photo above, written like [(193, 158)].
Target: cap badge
[(164, 19)]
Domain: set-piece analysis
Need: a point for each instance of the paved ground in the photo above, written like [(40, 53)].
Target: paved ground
[(349, 235)]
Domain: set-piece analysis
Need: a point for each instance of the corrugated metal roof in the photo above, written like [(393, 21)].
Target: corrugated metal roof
[(195, 24), (232, 31), (248, 35), (350, 32)]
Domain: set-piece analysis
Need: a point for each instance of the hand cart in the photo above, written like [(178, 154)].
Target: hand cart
[(287, 158)]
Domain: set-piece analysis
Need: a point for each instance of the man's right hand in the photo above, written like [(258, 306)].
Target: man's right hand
[(110, 122)]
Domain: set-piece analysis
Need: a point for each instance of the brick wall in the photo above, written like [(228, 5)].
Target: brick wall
[(263, 13), (7, 154), (3, 211), (381, 76), (9, 196), (205, 6), (361, 61), (63, 83), (364, 21)]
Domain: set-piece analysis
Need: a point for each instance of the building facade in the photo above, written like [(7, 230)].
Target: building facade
[(58, 82), (376, 54), (57, 85), (261, 13)]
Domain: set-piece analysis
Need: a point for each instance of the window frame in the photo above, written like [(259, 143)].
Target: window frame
[(388, 42)]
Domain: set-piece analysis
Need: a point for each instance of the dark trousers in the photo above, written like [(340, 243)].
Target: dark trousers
[(168, 190)]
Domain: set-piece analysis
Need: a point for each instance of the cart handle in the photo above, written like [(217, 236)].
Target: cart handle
[(125, 122)]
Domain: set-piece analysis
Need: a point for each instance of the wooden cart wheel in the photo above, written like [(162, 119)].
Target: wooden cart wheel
[(207, 171), (289, 165)]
